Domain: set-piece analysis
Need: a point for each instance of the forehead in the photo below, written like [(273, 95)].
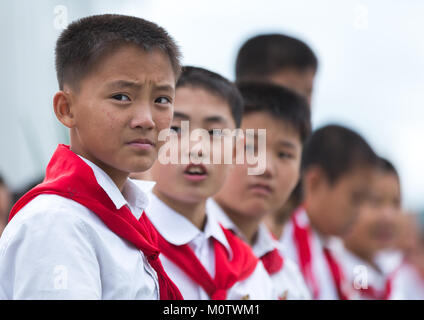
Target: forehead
[(386, 182), (276, 129), (198, 104), (130, 62)]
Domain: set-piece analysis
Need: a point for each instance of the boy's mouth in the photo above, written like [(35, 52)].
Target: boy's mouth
[(195, 172), (142, 144), (261, 188)]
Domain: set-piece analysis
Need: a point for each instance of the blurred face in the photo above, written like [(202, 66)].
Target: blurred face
[(376, 226), (301, 82), (192, 182), (120, 107), (5, 204), (254, 196), (336, 205)]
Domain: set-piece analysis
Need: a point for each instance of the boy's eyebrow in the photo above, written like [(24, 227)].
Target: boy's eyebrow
[(134, 85), (287, 144), (181, 115), (165, 87), (215, 119)]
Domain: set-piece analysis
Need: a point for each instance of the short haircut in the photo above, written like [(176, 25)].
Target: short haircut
[(337, 150), (2, 182), (279, 102), (215, 84), (264, 55), (81, 45), (386, 166)]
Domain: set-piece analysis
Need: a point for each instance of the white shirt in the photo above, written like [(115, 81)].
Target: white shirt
[(409, 284), (178, 230), (55, 248), (320, 268), (288, 282)]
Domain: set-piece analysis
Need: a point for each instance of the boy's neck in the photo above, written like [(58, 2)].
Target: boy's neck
[(311, 213), (248, 227), (117, 176), (364, 254), (194, 212), (275, 226)]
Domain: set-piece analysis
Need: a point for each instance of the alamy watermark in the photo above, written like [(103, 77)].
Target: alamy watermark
[(221, 146)]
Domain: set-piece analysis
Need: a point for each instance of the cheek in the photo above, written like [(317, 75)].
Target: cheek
[(163, 118)]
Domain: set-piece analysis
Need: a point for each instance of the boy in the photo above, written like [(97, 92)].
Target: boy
[(278, 59), (244, 200), (374, 231), (77, 235), (284, 61), (205, 260), (337, 165)]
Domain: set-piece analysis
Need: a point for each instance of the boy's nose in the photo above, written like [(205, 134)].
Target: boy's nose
[(142, 118), (270, 167)]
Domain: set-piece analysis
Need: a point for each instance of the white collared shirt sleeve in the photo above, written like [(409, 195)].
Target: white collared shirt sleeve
[(47, 255)]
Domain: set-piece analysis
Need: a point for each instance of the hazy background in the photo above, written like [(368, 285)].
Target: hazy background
[(370, 78)]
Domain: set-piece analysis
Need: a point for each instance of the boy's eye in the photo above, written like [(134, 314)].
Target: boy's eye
[(284, 155), (175, 129), (121, 97), (162, 100), (215, 132)]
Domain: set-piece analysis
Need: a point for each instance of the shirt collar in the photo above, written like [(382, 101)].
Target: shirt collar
[(177, 229), (265, 242), (214, 209), (131, 195)]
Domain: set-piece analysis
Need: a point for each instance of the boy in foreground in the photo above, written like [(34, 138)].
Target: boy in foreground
[(81, 233)]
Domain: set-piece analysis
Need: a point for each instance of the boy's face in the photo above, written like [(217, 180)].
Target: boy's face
[(376, 225), (299, 81), (254, 196), (338, 203), (191, 183), (120, 107)]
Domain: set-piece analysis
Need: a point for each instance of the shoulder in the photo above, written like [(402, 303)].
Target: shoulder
[(49, 218)]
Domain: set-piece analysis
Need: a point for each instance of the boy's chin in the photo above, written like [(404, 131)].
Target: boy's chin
[(141, 166)]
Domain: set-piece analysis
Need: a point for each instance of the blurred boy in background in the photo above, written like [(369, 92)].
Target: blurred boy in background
[(284, 61), (279, 59), (245, 200), (337, 165), (374, 231), (5, 204), (206, 260)]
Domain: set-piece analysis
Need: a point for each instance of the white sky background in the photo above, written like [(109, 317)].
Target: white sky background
[(371, 73)]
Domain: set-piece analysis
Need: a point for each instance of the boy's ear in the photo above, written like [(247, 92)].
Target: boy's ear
[(62, 104)]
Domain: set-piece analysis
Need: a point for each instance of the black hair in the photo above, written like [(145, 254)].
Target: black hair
[(280, 102), (215, 84), (386, 166), (337, 150), (84, 41), (264, 55)]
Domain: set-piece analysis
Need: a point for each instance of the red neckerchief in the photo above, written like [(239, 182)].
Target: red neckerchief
[(227, 272), (302, 239), (371, 293), (68, 176), (337, 275), (272, 261)]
